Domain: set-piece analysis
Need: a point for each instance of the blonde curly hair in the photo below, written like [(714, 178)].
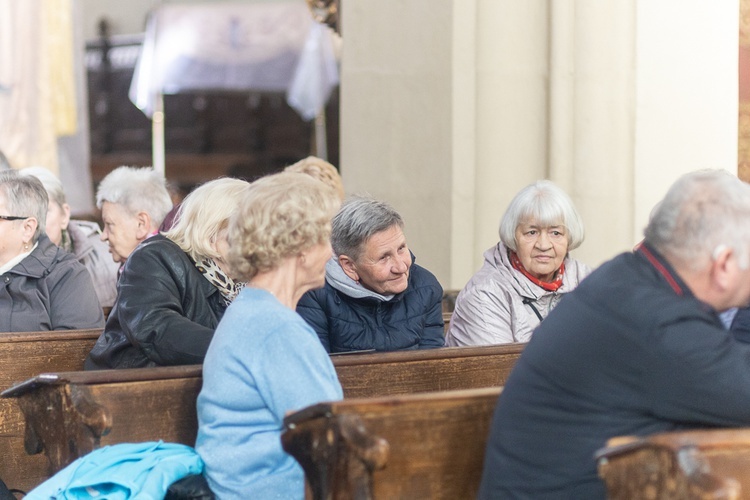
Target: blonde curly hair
[(319, 169), (204, 214), (282, 215)]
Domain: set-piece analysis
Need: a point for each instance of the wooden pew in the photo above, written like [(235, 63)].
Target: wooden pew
[(427, 445), (427, 370), (68, 414), (449, 301), (698, 464), (23, 355)]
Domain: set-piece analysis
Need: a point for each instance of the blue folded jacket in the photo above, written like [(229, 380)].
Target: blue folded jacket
[(122, 471)]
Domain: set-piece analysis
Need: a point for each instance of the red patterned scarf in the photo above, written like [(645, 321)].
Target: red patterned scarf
[(550, 286)]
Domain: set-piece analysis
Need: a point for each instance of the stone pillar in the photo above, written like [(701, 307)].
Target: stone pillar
[(449, 107)]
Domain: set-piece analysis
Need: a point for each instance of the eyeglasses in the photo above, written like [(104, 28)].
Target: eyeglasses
[(12, 217)]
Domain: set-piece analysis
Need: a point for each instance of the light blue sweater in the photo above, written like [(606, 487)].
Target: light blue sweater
[(263, 362)]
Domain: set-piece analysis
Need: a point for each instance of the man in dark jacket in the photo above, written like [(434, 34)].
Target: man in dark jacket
[(636, 349), (375, 297)]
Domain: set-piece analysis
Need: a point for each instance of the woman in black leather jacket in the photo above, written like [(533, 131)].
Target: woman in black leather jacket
[(174, 287)]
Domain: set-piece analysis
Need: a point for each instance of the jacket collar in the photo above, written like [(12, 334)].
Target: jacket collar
[(79, 232), (36, 264), (340, 281), (520, 283), (664, 269)]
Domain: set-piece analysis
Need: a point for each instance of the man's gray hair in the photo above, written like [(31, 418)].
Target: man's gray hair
[(136, 190), (701, 212), (357, 221), (26, 197), (548, 205)]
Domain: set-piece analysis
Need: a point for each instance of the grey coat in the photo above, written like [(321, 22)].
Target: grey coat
[(48, 290), (491, 309), (93, 253)]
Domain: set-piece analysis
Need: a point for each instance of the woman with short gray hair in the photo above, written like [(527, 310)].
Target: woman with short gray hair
[(375, 296), (526, 274), (174, 287), (42, 286)]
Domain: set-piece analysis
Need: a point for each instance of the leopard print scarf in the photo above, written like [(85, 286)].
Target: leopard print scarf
[(213, 273)]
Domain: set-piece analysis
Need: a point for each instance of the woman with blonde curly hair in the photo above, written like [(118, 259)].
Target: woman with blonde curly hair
[(174, 287), (264, 360)]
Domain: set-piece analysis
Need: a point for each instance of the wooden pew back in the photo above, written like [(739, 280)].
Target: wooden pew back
[(68, 414), (427, 445), (428, 370), (681, 465), (23, 355)]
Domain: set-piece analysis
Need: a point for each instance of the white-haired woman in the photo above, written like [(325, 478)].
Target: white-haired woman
[(79, 237), (41, 286), (175, 287), (526, 274), (265, 360)]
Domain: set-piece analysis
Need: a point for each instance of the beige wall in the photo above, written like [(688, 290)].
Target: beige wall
[(449, 107)]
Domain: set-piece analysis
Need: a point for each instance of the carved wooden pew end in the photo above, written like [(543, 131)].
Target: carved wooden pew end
[(428, 445), (680, 465)]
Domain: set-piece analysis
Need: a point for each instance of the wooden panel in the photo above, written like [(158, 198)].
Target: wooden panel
[(24, 355), (71, 413), (407, 372), (402, 447)]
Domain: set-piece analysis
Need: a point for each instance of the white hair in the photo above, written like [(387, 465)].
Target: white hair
[(549, 206), (136, 190)]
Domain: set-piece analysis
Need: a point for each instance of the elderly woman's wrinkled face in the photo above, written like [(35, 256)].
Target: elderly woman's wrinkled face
[(383, 266), (121, 231), (541, 249)]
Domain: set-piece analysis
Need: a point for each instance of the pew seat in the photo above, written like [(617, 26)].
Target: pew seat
[(428, 445), (698, 464), (23, 355)]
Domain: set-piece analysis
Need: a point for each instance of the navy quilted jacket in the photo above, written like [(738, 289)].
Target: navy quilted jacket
[(413, 319)]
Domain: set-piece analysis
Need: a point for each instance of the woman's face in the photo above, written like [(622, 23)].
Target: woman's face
[(57, 220), (541, 249)]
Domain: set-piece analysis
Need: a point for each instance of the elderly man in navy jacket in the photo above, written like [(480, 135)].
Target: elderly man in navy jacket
[(375, 297), (636, 349)]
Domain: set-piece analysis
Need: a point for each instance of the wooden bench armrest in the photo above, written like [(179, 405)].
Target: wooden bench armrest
[(334, 447), (103, 377), (673, 465)]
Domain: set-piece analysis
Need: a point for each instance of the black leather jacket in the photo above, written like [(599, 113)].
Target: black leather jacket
[(165, 314)]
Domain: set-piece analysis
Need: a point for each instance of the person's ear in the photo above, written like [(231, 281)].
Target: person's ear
[(349, 267), (143, 229), (28, 228), (723, 266)]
